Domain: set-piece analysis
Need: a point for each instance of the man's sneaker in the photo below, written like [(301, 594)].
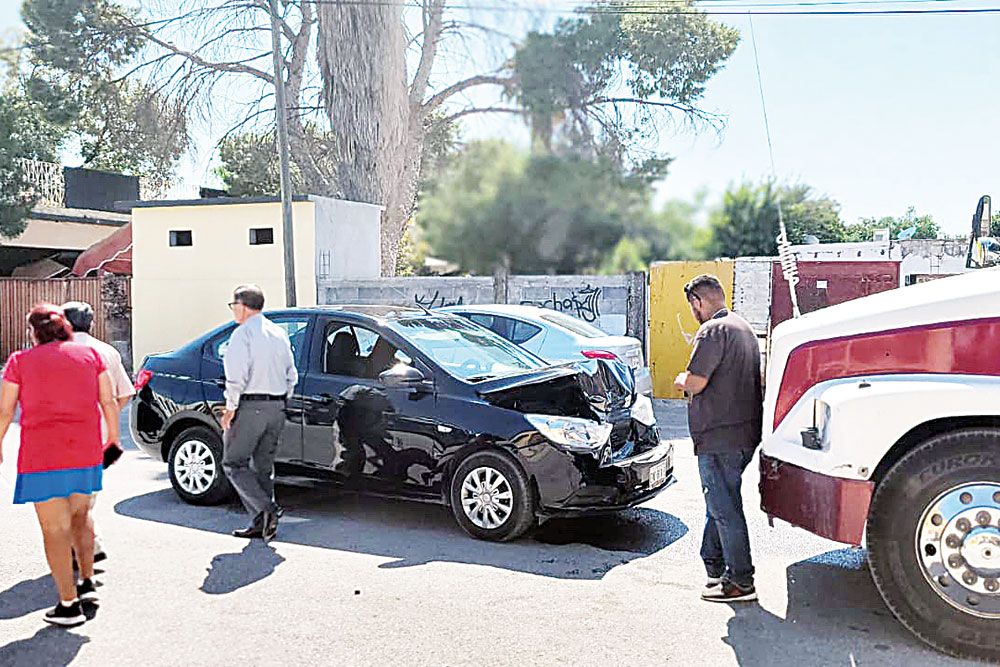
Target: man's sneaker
[(86, 591), (710, 583), (729, 592), (66, 616)]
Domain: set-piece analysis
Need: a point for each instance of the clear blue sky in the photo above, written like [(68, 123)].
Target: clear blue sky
[(879, 113)]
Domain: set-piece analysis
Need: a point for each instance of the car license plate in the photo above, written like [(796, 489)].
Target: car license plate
[(658, 474)]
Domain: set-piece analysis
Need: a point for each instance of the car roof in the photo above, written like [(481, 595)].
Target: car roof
[(499, 309), (361, 312)]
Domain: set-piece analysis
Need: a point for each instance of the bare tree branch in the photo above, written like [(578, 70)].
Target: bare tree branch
[(474, 110), (482, 80), (235, 67), (433, 11)]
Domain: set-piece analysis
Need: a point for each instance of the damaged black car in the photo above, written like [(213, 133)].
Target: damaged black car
[(401, 402)]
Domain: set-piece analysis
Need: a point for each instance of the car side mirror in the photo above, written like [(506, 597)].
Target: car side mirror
[(403, 376)]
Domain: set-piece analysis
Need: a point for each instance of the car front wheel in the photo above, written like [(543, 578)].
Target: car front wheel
[(491, 498), (195, 465)]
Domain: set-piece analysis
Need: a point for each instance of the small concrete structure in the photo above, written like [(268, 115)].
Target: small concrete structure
[(188, 255)]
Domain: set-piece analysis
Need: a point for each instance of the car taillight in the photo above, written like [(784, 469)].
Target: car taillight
[(599, 354), (142, 378)]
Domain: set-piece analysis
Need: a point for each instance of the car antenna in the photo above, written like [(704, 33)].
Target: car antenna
[(415, 300)]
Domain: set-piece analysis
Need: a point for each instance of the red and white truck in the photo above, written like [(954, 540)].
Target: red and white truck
[(882, 425)]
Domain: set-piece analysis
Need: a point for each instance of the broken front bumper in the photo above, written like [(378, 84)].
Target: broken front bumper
[(832, 507), (614, 486)]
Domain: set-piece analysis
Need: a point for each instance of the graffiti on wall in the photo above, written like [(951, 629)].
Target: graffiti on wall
[(583, 303), (429, 301)]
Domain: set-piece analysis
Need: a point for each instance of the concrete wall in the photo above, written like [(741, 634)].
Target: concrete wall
[(601, 300), (935, 257), (348, 243), (179, 293), (429, 292)]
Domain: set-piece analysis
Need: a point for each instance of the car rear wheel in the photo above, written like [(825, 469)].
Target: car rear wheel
[(491, 498), (934, 542), (195, 466)]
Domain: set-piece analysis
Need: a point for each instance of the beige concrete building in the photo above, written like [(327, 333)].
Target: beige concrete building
[(187, 256)]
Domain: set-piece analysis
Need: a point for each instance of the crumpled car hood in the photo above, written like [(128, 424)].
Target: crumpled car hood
[(591, 390)]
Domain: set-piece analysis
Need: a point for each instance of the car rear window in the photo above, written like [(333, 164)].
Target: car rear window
[(578, 327)]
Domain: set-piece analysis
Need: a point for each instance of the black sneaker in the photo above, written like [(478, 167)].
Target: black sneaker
[(729, 592), (86, 591), (66, 616)]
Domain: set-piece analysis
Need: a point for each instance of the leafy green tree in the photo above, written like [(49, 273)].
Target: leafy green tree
[(608, 77), (864, 229), (746, 224), (495, 205), (26, 135), (76, 50)]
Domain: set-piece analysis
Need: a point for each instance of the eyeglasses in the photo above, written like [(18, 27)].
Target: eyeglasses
[(690, 293), (233, 303)]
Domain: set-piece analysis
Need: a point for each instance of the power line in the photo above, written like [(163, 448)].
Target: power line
[(659, 10)]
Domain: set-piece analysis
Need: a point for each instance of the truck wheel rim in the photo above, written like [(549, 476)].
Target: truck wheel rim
[(194, 467), (487, 498), (958, 547)]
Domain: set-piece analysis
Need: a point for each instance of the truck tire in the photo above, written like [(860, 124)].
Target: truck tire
[(934, 542)]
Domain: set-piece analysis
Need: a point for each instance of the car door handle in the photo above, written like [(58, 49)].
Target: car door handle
[(219, 382)]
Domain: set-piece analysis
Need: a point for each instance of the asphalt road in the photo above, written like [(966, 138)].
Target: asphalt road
[(361, 581)]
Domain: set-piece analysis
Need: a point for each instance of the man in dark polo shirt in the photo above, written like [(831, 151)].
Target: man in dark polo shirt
[(724, 417)]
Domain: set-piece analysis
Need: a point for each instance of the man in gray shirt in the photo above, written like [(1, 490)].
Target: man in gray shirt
[(260, 376), (725, 418)]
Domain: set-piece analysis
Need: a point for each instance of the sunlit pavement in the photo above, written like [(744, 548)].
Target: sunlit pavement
[(362, 581)]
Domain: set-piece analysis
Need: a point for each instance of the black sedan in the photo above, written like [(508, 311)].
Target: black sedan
[(426, 406)]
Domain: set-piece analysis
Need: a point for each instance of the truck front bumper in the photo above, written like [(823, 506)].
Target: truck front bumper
[(831, 507)]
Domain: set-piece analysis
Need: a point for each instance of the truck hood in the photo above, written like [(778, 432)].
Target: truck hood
[(970, 296), (592, 390)]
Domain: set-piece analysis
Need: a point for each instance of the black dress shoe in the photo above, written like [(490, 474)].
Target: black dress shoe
[(270, 526), (255, 529)]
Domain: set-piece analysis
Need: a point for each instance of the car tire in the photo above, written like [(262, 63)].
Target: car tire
[(195, 466), (938, 506), (504, 509)]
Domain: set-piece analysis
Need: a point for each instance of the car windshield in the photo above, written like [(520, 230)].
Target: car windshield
[(575, 325), (464, 349)]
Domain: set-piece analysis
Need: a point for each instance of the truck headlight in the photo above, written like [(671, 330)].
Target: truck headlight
[(642, 410), (574, 434)]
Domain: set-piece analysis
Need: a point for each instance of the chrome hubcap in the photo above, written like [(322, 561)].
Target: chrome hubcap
[(958, 547), (194, 467), (487, 498)]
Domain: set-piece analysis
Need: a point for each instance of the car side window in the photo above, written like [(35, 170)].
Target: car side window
[(294, 328), (355, 351), (480, 319), (522, 332)]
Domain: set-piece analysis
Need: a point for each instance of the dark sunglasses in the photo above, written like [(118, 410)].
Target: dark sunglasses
[(690, 293)]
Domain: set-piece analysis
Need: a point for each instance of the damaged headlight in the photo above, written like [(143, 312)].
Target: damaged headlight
[(572, 433), (642, 410)]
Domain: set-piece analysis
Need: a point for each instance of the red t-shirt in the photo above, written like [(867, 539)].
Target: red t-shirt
[(60, 412)]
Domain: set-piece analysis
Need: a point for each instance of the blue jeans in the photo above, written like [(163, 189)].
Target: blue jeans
[(725, 546)]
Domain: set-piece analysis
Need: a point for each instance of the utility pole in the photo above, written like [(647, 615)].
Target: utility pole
[(281, 111)]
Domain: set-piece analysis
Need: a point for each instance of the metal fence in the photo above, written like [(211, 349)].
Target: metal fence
[(18, 295)]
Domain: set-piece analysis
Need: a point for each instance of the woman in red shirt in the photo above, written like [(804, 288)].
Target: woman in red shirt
[(62, 387)]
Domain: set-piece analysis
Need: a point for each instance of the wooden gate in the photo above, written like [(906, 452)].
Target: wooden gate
[(18, 295)]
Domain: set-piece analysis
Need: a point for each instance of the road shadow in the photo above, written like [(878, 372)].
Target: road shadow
[(231, 572), (50, 646), (27, 597), (412, 533), (835, 616)]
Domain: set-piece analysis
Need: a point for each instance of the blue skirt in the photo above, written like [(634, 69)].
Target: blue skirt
[(37, 487)]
